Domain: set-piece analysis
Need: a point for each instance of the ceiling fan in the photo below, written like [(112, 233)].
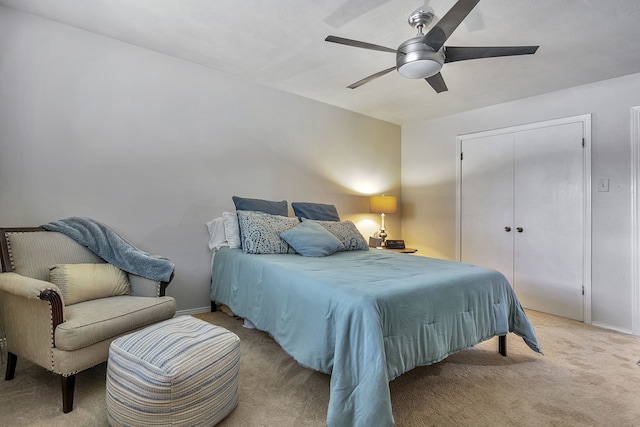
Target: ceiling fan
[(423, 56)]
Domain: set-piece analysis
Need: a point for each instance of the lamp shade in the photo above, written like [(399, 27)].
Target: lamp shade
[(383, 204)]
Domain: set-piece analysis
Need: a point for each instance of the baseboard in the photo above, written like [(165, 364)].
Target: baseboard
[(193, 311), (612, 328)]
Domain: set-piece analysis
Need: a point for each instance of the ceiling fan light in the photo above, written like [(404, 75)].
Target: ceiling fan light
[(420, 69), (416, 60)]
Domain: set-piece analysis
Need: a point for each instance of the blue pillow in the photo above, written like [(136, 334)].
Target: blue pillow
[(311, 239), (260, 205), (315, 211)]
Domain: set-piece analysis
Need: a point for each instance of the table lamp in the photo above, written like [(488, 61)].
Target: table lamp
[(383, 205)]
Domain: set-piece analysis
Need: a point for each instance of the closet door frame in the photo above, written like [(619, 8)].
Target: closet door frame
[(635, 215), (585, 120)]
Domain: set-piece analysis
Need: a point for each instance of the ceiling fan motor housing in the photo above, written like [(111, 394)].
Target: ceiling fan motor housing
[(416, 60)]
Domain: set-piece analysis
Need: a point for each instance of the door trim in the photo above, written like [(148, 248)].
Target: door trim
[(635, 222), (585, 120)]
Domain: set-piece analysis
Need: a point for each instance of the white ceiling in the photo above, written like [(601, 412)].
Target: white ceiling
[(280, 43)]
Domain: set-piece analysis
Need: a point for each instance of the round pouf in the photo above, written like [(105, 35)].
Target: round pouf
[(180, 372)]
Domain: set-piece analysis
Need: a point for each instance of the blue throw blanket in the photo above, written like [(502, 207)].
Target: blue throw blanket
[(108, 245)]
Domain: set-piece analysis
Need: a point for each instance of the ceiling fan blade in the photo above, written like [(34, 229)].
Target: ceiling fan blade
[(356, 43), (454, 53), (439, 34), (437, 83), (371, 77)]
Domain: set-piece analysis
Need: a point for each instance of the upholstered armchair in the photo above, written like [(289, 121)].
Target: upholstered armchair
[(67, 326)]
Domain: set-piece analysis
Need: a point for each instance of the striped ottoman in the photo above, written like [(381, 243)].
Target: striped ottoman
[(183, 371)]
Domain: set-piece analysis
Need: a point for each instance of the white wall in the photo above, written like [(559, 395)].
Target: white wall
[(429, 181), (155, 146)]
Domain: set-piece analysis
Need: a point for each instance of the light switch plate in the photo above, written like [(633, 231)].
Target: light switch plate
[(603, 184)]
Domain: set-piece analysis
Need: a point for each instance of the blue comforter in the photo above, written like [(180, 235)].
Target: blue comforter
[(366, 317)]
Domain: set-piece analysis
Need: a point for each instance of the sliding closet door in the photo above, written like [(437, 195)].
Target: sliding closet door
[(487, 203), (548, 219)]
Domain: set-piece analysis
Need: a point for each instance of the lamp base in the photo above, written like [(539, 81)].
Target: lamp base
[(383, 235)]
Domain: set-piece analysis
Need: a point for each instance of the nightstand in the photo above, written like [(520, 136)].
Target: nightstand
[(402, 251)]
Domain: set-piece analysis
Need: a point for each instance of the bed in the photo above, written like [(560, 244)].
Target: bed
[(366, 316)]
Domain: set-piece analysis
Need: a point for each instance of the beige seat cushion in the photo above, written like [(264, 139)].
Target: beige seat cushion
[(93, 321)]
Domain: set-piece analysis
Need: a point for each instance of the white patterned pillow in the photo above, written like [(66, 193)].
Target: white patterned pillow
[(260, 232), (347, 233)]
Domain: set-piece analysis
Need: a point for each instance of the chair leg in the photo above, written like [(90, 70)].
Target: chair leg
[(68, 385), (12, 360)]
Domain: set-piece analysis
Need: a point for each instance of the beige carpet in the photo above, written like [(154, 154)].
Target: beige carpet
[(587, 377)]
